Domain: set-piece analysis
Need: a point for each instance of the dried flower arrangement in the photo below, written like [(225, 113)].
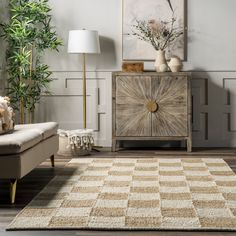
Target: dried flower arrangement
[(160, 34)]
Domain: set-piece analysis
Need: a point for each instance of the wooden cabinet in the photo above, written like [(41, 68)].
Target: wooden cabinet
[(151, 106)]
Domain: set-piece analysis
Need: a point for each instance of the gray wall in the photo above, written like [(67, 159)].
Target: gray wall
[(211, 33), (211, 55)]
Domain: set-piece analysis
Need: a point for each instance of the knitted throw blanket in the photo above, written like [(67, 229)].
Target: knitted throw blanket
[(6, 115)]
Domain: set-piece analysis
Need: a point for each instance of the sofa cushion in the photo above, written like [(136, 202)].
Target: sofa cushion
[(19, 140), (46, 129)]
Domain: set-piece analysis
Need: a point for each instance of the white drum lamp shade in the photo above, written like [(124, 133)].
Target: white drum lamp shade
[(83, 41)]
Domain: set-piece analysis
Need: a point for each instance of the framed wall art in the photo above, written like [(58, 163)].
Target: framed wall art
[(152, 11)]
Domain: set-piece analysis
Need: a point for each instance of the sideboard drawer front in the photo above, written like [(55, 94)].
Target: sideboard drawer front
[(132, 116), (171, 95)]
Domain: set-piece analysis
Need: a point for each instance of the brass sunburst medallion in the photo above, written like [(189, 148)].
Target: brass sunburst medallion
[(152, 106)]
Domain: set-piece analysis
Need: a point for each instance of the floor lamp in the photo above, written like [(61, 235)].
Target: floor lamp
[(84, 42)]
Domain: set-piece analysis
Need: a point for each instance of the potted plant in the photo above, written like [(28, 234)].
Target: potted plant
[(28, 34)]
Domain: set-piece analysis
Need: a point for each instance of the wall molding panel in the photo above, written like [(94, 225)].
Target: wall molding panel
[(213, 96), (214, 109), (200, 110), (65, 104)]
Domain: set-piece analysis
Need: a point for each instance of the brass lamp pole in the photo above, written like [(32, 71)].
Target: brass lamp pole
[(85, 42), (84, 92)]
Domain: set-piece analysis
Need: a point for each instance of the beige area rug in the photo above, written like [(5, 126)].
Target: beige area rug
[(133, 194)]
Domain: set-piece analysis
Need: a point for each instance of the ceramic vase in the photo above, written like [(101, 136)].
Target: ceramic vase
[(160, 63), (175, 64)]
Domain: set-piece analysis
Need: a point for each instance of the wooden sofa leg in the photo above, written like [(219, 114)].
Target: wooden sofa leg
[(52, 160), (13, 183)]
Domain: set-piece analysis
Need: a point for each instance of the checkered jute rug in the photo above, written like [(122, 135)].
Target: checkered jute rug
[(133, 194)]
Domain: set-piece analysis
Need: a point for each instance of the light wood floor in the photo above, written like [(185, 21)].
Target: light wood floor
[(34, 182)]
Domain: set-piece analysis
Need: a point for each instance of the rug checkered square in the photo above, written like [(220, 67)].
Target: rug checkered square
[(138, 193)]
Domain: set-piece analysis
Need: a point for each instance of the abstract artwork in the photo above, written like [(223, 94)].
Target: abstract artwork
[(148, 10)]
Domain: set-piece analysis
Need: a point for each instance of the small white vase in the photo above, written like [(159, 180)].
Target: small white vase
[(160, 63), (175, 64)]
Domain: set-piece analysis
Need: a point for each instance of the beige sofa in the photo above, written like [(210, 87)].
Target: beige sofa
[(24, 149)]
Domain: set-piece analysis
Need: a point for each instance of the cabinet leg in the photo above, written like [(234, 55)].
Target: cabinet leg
[(189, 145), (13, 183), (52, 160), (113, 149), (115, 145)]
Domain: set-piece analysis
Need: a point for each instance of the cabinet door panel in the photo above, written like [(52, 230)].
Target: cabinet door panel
[(132, 116), (170, 94)]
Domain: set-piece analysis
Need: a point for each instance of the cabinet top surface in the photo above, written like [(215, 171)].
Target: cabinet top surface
[(183, 73)]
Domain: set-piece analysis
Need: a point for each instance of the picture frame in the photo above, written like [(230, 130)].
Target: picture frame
[(134, 49)]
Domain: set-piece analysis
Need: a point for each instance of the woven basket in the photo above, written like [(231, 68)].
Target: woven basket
[(68, 145)]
